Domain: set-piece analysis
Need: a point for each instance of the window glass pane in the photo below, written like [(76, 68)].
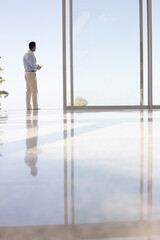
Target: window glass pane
[(106, 52), (25, 21), (156, 51)]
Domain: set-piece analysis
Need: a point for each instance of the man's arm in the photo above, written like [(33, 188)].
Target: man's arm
[(32, 62)]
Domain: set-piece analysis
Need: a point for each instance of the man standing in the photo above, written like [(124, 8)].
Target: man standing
[(31, 67)]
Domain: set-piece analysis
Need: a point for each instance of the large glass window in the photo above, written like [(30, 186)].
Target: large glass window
[(106, 52), (22, 22)]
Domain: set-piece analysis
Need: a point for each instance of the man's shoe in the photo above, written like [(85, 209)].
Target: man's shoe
[(36, 108)]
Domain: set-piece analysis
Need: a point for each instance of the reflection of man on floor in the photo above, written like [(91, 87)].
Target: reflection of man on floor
[(32, 150)]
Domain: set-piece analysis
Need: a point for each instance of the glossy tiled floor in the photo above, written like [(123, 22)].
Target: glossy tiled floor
[(85, 175)]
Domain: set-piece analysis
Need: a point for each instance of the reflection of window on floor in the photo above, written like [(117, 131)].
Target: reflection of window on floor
[(80, 101)]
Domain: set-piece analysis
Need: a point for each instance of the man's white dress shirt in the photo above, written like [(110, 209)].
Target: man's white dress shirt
[(29, 61)]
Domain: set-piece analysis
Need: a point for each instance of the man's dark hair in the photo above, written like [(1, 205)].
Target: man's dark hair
[(31, 45)]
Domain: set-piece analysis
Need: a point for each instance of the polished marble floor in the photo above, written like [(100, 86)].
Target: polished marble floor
[(82, 175)]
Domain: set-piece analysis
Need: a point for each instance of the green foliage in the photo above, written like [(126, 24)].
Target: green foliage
[(4, 93)]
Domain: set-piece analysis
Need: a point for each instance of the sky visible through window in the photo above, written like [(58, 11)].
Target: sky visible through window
[(22, 22), (156, 51), (106, 51)]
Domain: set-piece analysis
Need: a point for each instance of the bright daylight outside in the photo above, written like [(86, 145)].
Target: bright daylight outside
[(106, 51), (23, 22)]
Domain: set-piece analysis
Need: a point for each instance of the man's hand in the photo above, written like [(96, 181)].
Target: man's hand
[(39, 67)]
